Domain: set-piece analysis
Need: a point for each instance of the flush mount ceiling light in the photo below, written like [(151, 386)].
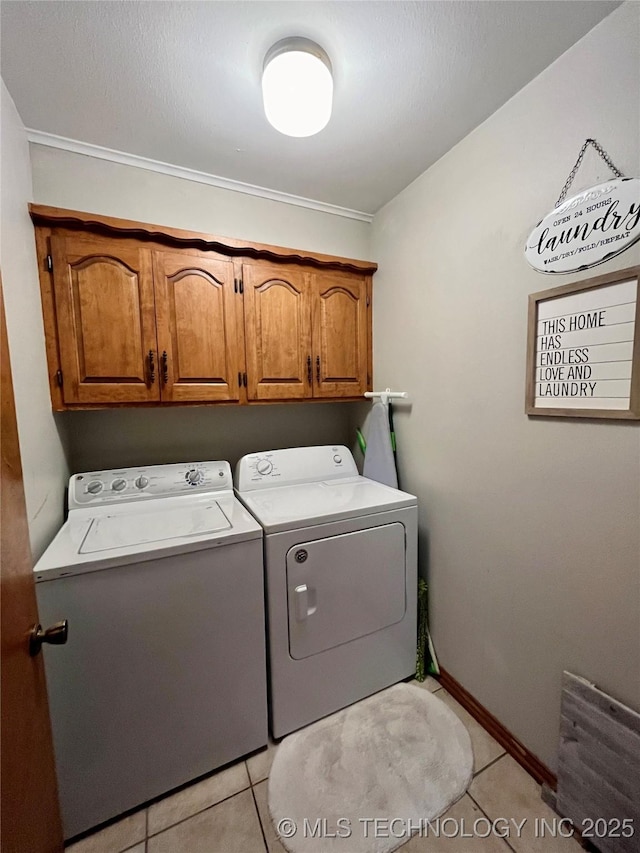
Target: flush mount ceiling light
[(297, 87)]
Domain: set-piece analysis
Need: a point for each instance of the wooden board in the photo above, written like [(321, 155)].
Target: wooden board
[(56, 217), (599, 766), (30, 817)]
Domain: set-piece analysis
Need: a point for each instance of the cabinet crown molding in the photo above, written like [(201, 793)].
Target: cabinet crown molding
[(55, 217)]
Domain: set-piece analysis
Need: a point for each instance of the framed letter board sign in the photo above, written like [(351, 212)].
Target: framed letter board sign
[(583, 348)]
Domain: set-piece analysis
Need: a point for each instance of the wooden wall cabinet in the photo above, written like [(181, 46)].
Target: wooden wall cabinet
[(277, 331), (105, 309), (341, 331), (140, 326), (198, 318), (306, 333), (137, 314)]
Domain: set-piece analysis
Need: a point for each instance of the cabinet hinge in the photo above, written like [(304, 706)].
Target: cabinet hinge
[(59, 377), (244, 379), (49, 263)]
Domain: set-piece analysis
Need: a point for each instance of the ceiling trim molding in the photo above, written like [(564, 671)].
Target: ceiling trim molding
[(51, 140)]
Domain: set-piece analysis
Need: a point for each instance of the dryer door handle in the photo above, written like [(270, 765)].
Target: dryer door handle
[(302, 602), (305, 605), (303, 610)]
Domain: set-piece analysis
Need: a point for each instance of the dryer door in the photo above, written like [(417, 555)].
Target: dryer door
[(344, 587)]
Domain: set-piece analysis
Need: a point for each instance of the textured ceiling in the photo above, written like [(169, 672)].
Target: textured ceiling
[(179, 82)]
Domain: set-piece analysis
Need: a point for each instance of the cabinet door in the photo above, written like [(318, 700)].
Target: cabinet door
[(340, 335), (197, 316), (106, 320), (277, 308)]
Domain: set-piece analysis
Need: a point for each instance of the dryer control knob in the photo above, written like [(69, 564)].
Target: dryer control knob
[(94, 487), (337, 459), (193, 476), (119, 484), (142, 482), (264, 466)]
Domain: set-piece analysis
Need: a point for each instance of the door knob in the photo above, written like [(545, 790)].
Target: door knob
[(57, 635)]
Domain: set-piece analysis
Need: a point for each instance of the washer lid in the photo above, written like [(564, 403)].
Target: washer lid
[(122, 531), (290, 507), (95, 538)]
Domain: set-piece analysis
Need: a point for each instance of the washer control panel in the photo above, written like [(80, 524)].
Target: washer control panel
[(122, 484), (294, 465)]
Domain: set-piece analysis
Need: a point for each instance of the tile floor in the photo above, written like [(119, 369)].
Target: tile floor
[(228, 813)]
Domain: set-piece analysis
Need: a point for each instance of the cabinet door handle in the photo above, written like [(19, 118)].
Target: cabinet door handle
[(152, 367), (309, 373), (318, 368), (165, 367)]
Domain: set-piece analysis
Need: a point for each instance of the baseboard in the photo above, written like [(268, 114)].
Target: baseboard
[(517, 750)]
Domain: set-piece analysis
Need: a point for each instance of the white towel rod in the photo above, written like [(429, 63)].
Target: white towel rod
[(387, 395)]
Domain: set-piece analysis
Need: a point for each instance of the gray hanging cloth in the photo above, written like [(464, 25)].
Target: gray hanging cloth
[(379, 460)]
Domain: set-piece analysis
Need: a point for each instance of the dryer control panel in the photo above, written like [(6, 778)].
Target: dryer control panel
[(151, 481), (294, 465)]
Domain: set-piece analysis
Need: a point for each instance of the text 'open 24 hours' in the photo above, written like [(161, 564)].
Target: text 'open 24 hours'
[(584, 348)]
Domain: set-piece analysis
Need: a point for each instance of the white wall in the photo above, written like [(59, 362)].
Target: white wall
[(65, 179), (529, 527), (116, 437), (128, 437), (44, 465)]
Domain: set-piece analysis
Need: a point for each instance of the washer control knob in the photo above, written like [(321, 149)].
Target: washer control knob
[(119, 484), (337, 459), (264, 466), (193, 476), (94, 487), (142, 482)]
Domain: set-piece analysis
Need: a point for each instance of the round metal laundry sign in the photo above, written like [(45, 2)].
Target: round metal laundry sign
[(587, 229)]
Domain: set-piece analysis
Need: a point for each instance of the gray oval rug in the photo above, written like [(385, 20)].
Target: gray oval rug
[(363, 779)]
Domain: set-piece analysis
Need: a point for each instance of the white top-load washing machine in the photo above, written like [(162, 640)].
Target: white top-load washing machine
[(159, 572), (341, 576)]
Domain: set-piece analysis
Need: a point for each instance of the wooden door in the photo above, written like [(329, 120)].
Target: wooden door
[(340, 335), (277, 304), (106, 321), (30, 817), (199, 333)]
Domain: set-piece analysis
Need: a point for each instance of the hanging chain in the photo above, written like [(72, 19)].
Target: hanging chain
[(572, 175)]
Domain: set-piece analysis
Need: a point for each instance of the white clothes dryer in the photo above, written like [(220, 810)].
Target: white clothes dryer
[(341, 576), (159, 572)]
